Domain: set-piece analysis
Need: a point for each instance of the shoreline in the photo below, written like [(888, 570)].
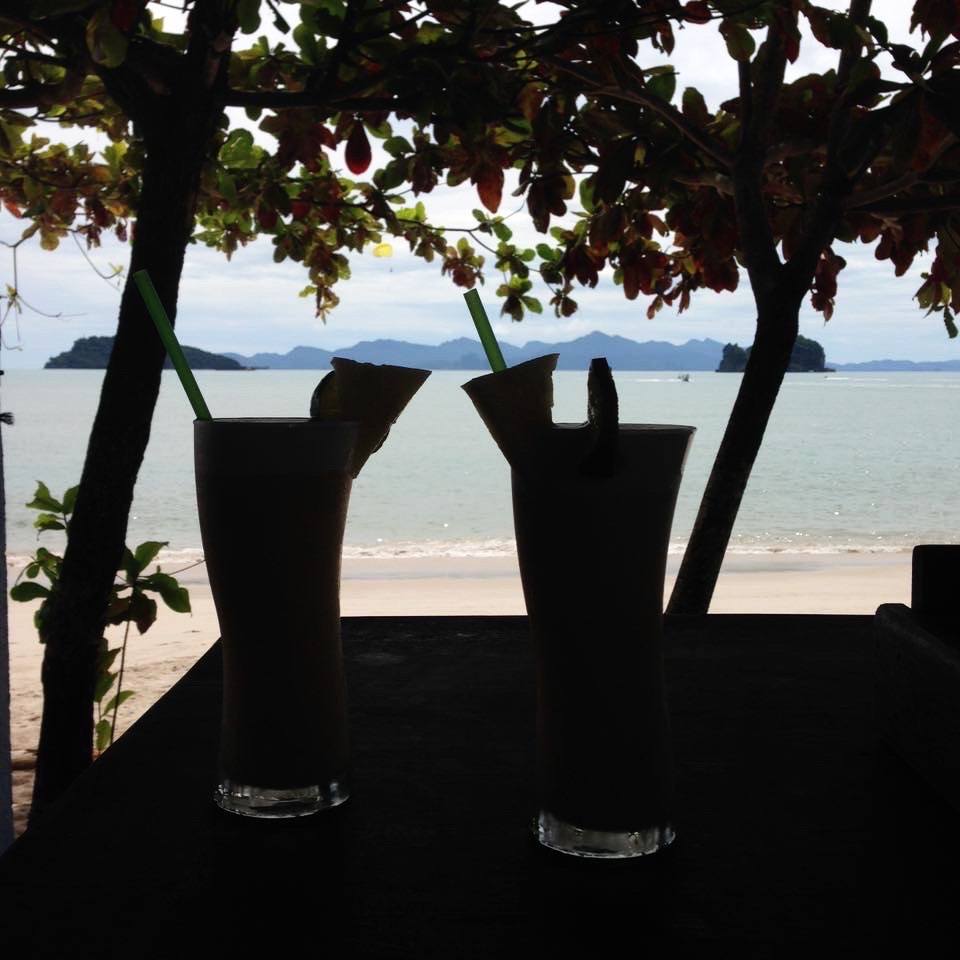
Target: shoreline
[(440, 586)]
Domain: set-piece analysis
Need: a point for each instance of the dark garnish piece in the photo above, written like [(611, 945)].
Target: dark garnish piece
[(603, 415)]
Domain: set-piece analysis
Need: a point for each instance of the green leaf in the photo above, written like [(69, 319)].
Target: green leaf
[(248, 15), (104, 682), (396, 146), (146, 551), (949, 323), (336, 8), (429, 33), (532, 304), (42, 500), (695, 107), (106, 658), (118, 700), (740, 44), (28, 590), (129, 565), (173, 595), (392, 175), (47, 521), (227, 187), (305, 37), (502, 231), (239, 151), (546, 253), (70, 500), (114, 153), (586, 195), (107, 44), (102, 732), (663, 84)]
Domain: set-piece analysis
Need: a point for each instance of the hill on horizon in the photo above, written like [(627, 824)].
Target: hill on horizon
[(465, 353)]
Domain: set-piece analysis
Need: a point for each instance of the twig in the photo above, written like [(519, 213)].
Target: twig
[(116, 699)]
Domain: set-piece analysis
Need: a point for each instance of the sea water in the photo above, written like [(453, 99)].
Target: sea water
[(850, 462)]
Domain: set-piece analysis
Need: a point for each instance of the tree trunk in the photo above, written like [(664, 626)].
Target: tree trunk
[(175, 147), (6, 791), (777, 329)]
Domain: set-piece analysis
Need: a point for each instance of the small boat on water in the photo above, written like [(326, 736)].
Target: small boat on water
[(685, 377)]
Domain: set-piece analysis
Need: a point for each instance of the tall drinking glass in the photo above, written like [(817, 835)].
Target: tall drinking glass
[(592, 545), (272, 497), (592, 554)]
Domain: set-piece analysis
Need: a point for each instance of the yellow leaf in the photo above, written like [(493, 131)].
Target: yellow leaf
[(383, 250)]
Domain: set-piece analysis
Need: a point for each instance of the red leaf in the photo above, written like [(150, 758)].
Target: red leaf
[(267, 217), (489, 180), (529, 100), (300, 209), (358, 149), (696, 11), (123, 14)]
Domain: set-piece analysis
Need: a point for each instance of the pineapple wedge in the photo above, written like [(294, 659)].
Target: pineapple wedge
[(373, 395)]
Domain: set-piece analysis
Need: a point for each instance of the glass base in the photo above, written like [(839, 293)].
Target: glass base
[(557, 834), (272, 804)]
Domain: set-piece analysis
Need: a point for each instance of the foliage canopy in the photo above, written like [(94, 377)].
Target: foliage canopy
[(853, 153)]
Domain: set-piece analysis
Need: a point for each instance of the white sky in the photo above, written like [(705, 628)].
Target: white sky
[(251, 303)]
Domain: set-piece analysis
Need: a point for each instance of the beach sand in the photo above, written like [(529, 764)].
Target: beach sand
[(749, 583)]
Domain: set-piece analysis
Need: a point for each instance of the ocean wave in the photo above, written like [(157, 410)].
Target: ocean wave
[(467, 549), (813, 549), (172, 560), (407, 549)]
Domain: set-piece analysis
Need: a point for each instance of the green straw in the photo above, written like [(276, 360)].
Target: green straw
[(489, 341), (155, 308)]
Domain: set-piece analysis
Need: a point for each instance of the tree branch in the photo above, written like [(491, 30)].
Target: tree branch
[(746, 104), (858, 13), (835, 183), (717, 181), (712, 147), (34, 56), (36, 95), (281, 100), (757, 107), (771, 63), (898, 206), (864, 198), (840, 114), (792, 148)]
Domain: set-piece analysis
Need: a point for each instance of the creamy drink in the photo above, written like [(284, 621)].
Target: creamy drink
[(593, 505), (272, 497), (592, 560)]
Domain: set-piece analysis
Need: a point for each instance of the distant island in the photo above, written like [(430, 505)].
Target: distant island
[(807, 357), (465, 353), (92, 353)]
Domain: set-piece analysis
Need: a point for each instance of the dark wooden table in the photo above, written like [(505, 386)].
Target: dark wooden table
[(795, 828)]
